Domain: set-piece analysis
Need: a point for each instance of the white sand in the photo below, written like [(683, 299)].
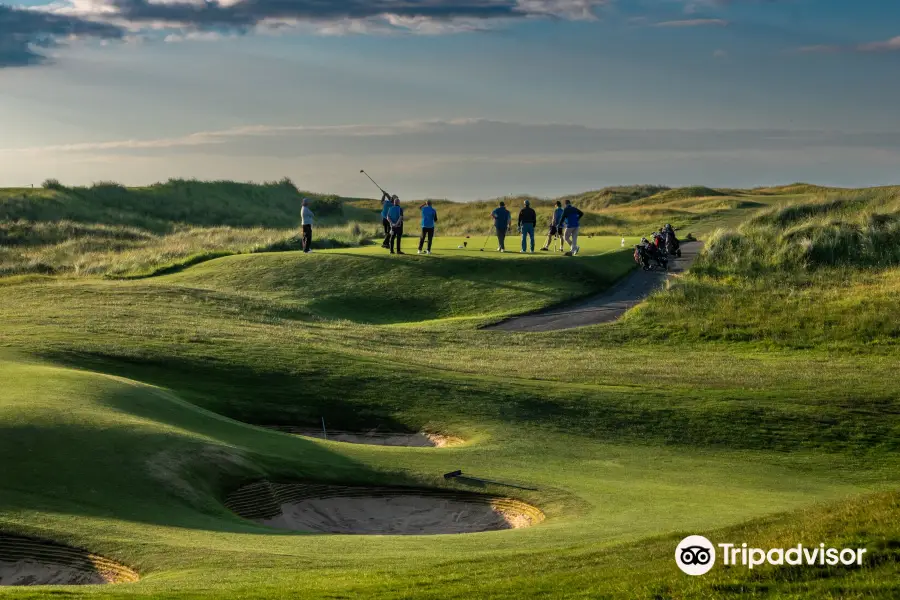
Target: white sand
[(402, 514), (33, 572)]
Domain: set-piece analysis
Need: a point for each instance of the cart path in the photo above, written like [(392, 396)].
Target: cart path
[(606, 306)]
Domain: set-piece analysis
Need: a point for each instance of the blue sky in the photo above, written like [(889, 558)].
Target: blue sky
[(462, 100)]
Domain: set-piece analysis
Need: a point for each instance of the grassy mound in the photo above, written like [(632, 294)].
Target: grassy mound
[(108, 229), (155, 208), (684, 193), (373, 287)]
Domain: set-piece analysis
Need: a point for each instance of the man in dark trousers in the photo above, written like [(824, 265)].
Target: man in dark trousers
[(306, 221), (395, 219), (556, 228), (386, 202), (502, 218), (527, 223), (429, 218)]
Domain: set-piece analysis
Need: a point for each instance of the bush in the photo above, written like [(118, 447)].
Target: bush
[(328, 206), (53, 184)]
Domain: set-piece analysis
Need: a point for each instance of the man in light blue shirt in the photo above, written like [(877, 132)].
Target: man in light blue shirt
[(395, 219), (571, 217), (502, 218), (429, 218)]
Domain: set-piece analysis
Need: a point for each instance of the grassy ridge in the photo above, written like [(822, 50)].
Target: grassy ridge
[(107, 229)]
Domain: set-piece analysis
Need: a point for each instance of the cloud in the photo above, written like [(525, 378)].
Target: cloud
[(891, 45), (24, 33), (334, 16), (693, 23), (462, 137)]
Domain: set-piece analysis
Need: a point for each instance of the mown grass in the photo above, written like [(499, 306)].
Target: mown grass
[(116, 427)]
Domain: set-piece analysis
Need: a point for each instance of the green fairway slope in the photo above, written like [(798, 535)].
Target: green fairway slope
[(371, 286), (136, 474)]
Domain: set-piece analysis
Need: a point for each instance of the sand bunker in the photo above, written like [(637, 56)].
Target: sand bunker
[(24, 561), (384, 511), (375, 437)]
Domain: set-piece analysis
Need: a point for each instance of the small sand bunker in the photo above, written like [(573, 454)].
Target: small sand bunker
[(375, 438), (24, 561), (378, 511)]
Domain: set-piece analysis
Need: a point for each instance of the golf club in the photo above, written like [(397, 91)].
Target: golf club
[(363, 171), (486, 239)]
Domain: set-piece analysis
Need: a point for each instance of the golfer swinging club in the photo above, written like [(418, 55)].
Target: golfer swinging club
[(386, 202)]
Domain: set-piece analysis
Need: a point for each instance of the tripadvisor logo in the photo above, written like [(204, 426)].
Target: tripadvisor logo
[(696, 555)]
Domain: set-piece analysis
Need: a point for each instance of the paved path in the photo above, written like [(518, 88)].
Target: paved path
[(607, 306)]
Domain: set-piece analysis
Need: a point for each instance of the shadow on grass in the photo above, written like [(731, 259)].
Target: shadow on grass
[(357, 395)]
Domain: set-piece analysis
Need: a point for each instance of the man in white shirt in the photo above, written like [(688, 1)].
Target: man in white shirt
[(306, 220)]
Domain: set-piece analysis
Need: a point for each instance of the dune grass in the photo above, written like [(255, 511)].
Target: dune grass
[(128, 407), (818, 272)]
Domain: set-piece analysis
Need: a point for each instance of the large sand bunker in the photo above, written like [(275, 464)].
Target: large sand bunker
[(385, 511), (374, 437), (24, 561)]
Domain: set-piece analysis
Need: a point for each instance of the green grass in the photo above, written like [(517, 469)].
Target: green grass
[(724, 407), (369, 285)]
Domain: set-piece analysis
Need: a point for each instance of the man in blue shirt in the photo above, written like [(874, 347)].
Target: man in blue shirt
[(429, 218), (395, 220), (386, 202), (502, 218), (571, 217), (556, 228)]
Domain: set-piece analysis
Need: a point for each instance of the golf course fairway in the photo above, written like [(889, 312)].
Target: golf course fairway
[(131, 409)]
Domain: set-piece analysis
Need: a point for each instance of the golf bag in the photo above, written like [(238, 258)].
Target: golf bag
[(644, 254), (673, 246), (641, 257)]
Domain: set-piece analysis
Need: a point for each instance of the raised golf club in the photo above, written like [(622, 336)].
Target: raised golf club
[(363, 171)]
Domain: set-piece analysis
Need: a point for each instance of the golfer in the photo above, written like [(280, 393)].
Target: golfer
[(502, 219), (555, 227), (429, 218), (527, 223), (571, 217), (306, 221), (395, 220), (386, 202)]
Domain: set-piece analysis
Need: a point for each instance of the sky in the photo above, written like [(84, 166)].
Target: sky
[(461, 99)]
